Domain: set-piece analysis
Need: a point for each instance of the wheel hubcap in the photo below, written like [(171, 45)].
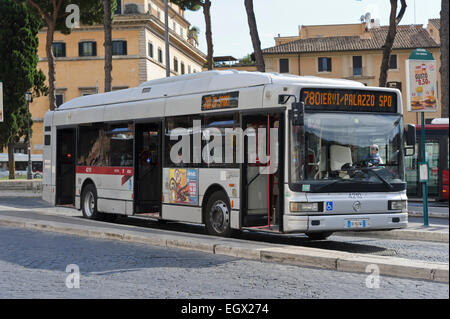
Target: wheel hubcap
[(89, 204), (220, 216)]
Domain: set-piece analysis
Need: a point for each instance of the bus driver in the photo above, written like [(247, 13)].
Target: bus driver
[(374, 158)]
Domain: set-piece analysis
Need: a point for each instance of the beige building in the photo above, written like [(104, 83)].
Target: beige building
[(353, 51), (138, 55)]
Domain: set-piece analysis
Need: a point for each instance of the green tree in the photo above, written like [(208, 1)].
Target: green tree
[(53, 14), (390, 37), (18, 53), (195, 5), (247, 60)]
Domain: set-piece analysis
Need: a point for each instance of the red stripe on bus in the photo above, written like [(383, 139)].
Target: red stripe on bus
[(127, 171)]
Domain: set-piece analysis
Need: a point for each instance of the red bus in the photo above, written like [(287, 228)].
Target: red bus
[(437, 155)]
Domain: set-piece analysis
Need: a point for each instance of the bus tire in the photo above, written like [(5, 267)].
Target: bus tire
[(319, 235), (89, 203), (217, 215)]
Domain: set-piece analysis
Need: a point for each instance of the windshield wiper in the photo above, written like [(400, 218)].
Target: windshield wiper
[(381, 178)]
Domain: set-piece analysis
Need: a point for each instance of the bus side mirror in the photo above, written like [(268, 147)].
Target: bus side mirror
[(298, 112), (410, 139), (411, 135)]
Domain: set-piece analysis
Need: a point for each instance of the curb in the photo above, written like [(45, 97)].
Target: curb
[(440, 237), (432, 215), (293, 255)]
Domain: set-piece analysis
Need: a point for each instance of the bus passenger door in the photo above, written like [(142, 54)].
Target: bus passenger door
[(262, 174), (148, 169), (65, 166)]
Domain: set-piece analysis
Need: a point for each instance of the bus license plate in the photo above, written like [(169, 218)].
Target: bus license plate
[(357, 223)]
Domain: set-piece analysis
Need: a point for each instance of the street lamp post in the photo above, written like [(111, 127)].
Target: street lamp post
[(29, 98), (166, 37)]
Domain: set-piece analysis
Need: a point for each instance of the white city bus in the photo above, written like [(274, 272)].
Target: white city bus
[(115, 153)]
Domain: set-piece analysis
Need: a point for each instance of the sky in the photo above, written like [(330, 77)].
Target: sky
[(231, 35)]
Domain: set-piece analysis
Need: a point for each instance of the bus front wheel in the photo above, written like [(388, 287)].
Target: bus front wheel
[(217, 215)]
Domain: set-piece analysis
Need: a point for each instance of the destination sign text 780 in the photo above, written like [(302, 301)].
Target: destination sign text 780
[(349, 100)]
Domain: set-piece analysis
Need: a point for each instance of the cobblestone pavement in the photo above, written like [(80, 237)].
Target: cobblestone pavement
[(33, 265), (417, 250)]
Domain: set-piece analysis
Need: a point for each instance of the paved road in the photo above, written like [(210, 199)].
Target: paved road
[(440, 208), (419, 250), (33, 265)]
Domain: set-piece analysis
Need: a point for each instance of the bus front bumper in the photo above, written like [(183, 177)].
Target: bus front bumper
[(361, 222)]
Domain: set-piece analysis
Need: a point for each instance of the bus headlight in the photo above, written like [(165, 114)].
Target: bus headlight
[(398, 205), (297, 207)]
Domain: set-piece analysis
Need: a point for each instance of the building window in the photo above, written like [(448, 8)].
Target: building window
[(393, 62), (357, 65), (150, 49), (119, 47), (189, 69), (324, 64), (182, 68), (87, 48), (159, 14), (59, 99), (59, 49), (284, 65), (175, 64), (160, 57), (88, 91), (118, 7), (394, 84)]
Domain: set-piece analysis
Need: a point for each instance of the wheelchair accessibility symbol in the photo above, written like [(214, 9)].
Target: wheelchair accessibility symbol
[(329, 206)]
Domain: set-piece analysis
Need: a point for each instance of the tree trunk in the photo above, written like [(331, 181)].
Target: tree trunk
[(387, 47), (11, 163), (108, 44), (51, 66), (444, 58), (207, 14), (254, 36)]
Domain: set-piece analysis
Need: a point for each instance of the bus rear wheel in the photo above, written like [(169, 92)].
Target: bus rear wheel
[(217, 215), (89, 202), (319, 235)]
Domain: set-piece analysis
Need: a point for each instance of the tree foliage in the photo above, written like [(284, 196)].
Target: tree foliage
[(53, 15), (195, 5), (18, 53)]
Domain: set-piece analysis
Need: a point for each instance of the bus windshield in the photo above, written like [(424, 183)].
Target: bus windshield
[(341, 151)]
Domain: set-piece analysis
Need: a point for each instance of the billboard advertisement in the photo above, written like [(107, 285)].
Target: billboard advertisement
[(421, 85), (183, 186)]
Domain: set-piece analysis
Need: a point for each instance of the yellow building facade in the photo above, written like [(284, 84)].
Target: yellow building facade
[(353, 51), (138, 55)]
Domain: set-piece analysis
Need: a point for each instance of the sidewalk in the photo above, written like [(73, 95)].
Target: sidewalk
[(21, 188)]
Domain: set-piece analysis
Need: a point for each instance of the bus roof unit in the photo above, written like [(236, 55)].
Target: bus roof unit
[(194, 83)]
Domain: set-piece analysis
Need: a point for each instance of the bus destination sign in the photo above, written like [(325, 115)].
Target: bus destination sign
[(220, 101), (321, 99)]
